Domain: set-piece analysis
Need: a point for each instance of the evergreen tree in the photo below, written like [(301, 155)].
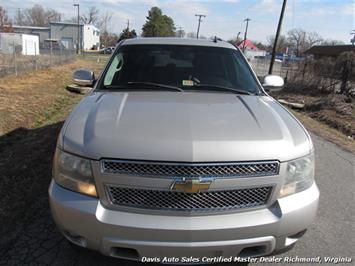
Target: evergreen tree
[(127, 34), (158, 24)]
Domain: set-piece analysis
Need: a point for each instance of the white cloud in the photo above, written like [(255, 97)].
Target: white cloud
[(345, 10), (121, 2), (185, 7), (269, 6), (319, 12), (348, 9)]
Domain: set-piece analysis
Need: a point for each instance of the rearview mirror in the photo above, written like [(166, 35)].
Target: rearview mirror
[(273, 82), (84, 77)]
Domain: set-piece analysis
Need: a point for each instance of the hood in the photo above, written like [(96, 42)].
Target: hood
[(183, 127)]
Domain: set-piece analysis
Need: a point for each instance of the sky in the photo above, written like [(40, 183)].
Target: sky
[(332, 19)]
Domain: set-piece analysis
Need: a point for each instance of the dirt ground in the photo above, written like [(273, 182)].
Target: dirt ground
[(335, 110), (32, 110)]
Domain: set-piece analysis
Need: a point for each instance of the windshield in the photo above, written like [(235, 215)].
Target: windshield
[(187, 67)]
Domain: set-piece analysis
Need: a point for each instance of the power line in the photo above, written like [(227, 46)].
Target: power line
[(199, 22)]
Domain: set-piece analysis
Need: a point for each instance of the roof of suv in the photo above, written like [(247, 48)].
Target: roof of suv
[(177, 41)]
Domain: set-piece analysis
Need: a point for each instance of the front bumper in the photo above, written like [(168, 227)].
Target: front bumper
[(84, 221)]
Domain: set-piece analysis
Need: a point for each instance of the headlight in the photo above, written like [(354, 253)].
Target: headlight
[(299, 175), (74, 173)]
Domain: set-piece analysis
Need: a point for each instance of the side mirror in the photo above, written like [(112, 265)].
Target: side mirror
[(273, 82), (83, 77)]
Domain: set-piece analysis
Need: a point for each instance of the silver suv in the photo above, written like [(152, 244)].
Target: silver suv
[(178, 153)]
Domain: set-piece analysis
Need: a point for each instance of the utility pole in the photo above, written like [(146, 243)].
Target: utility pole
[(277, 36), (180, 31), (199, 22), (127, 25), (246, 32), (78, 43)]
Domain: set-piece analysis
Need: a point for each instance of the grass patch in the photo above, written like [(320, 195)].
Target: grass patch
[(39, 98), (58, 110)]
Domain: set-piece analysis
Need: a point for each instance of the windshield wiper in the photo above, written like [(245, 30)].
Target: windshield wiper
[(221, 88), (146, 85)]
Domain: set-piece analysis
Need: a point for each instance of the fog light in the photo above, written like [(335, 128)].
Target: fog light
[(88, 189)]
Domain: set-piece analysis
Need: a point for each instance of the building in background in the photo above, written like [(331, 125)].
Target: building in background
[(67, 35), (91, 37), (41, 32), (251, 51), (64, 35), (25, 44), (319, 51)]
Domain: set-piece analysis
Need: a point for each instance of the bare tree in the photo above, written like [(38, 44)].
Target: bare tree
[(103, 24), (109, 39), (346, 64), (104, 21), (38, 16), (260, 45), (5, 22), (300, 40), (53, 16), (91, 17), (297, 40), (281, 46), (3, 16), (35, 16), (313, 38), (331, 42), (19, 18)]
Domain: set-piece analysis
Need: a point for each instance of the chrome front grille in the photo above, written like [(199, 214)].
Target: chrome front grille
[(162, 169), (215, 200)]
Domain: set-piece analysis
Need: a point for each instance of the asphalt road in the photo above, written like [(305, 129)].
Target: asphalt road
[(35, 240)]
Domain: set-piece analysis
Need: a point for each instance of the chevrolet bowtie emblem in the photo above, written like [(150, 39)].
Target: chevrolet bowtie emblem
[(191, 185)]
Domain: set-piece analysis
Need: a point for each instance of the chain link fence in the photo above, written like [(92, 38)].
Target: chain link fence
[(18, 54), (283, 69), (326, 75)]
